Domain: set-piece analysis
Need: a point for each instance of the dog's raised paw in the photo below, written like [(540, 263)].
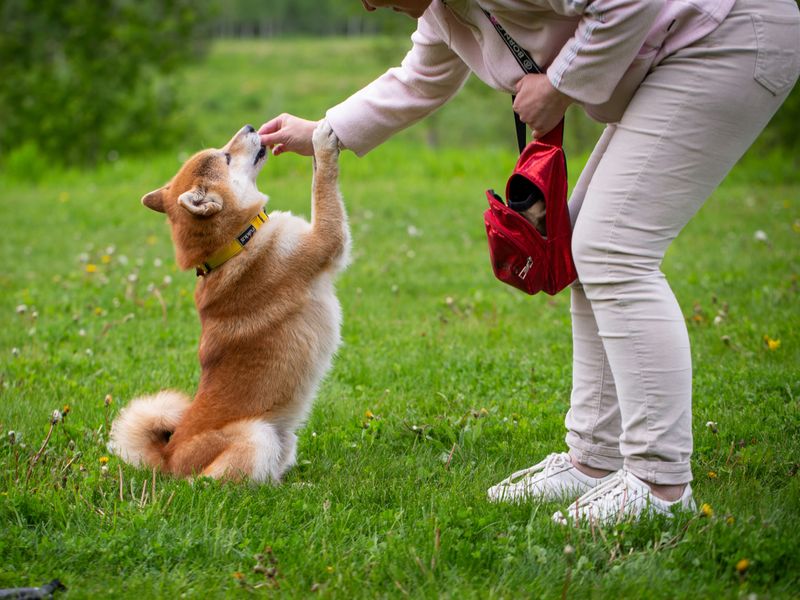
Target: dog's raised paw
[(325, 141)]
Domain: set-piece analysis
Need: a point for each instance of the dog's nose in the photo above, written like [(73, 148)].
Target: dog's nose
[(249, 128)]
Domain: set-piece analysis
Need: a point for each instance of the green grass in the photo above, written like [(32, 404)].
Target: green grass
[(467, 379)]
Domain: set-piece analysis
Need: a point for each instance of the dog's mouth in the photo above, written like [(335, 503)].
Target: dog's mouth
[(262, 152)]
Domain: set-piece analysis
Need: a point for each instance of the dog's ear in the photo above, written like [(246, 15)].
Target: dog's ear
[(200, 202), (155, 199)]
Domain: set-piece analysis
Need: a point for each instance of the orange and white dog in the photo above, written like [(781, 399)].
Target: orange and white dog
[(270, 318)]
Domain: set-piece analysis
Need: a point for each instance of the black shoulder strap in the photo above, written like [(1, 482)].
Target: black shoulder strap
[(528, 65), (523, 58)]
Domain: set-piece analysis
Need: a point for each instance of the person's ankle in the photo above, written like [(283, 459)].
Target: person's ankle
[(668, 493), (587, 470)]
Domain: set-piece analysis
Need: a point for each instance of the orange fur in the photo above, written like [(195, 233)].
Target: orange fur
[(270, 318)]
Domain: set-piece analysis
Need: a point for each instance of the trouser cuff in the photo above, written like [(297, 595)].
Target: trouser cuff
[(597, 456)]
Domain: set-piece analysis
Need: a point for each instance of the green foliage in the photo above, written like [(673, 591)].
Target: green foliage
[(84, 81), (784, 129), (243, 18)]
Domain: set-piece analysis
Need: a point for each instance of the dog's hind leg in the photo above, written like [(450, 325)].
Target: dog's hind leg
[(254, 450), (288, 452)]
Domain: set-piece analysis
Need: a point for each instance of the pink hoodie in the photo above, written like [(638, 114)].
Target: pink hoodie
[(596, 51)]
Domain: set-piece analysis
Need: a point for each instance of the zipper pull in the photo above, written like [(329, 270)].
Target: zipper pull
[(524, 272)]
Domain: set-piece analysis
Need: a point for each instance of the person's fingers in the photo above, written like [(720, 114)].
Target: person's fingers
[(271, 139), (278, 149), (272, 125)]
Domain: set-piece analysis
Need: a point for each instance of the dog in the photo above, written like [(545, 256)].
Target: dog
[(269, 315)]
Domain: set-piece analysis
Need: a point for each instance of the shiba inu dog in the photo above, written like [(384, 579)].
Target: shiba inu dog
[(270, 318)]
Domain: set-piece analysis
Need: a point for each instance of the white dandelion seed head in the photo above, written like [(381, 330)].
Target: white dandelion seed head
[(22, 309), (760, 236)]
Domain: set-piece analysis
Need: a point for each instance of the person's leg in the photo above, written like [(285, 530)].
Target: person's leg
[(690, 121), (593, 421)]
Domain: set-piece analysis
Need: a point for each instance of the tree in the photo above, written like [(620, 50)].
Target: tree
[(81, 79)]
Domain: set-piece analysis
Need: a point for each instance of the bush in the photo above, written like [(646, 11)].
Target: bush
[(83, 81)]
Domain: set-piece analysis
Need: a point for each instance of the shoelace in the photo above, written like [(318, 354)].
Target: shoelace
[(554, 460), (607, 491)]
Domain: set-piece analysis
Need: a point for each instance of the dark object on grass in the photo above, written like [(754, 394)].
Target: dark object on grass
[(29, 593)]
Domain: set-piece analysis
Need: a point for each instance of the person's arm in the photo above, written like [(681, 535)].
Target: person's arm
[(430, 74), (609, 36), (589, 66)]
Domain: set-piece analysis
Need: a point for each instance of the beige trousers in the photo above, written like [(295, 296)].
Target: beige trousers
[(689, 122)]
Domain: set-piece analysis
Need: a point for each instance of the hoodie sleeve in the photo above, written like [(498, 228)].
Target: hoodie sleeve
[(430, 74), (609, 36)]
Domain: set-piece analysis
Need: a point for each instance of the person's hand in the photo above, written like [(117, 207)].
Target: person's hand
[(539, 104), (287, 133)]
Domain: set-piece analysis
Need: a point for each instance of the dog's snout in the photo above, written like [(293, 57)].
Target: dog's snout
[(249, 128)]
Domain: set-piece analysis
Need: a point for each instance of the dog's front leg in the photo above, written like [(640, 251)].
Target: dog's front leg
[(329, 240)]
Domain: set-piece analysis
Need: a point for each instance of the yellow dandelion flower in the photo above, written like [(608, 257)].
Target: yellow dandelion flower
[(105, 259), (742, 565), (151, 240), (237, 575), (730, 520), (772, 344), (368, 414), (706, 510), (98, 311), (712, 475), (65, 409), (103, 460), (329, 569), (91, 268)]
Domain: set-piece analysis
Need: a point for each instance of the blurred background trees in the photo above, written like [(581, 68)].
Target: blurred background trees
[(79, 79), (83, 80)]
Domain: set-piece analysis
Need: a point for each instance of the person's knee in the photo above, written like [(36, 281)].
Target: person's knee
[(589, 256), (600, 260)]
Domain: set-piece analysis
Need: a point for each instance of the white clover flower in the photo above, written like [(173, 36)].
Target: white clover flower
[(157, 262), (22, 309), (123, 260), (413, 231), (133, 278), (15, 352), (167, 280), (760, 236)]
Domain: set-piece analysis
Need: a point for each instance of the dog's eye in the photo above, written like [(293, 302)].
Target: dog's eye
[(227, 158)]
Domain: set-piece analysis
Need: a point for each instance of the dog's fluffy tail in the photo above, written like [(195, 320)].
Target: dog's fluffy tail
[(141, 431)]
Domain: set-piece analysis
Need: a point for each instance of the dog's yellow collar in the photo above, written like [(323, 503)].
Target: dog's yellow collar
[(234, 247)]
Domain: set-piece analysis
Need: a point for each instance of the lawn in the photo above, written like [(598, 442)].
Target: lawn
[(446, 380)]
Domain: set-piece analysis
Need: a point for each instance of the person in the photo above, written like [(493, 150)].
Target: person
[(685, 88)]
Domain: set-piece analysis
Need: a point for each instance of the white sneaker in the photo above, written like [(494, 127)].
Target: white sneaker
[(623, 497), (552, 479)]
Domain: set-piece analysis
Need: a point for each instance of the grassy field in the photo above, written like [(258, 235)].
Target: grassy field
[(445, 383)]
